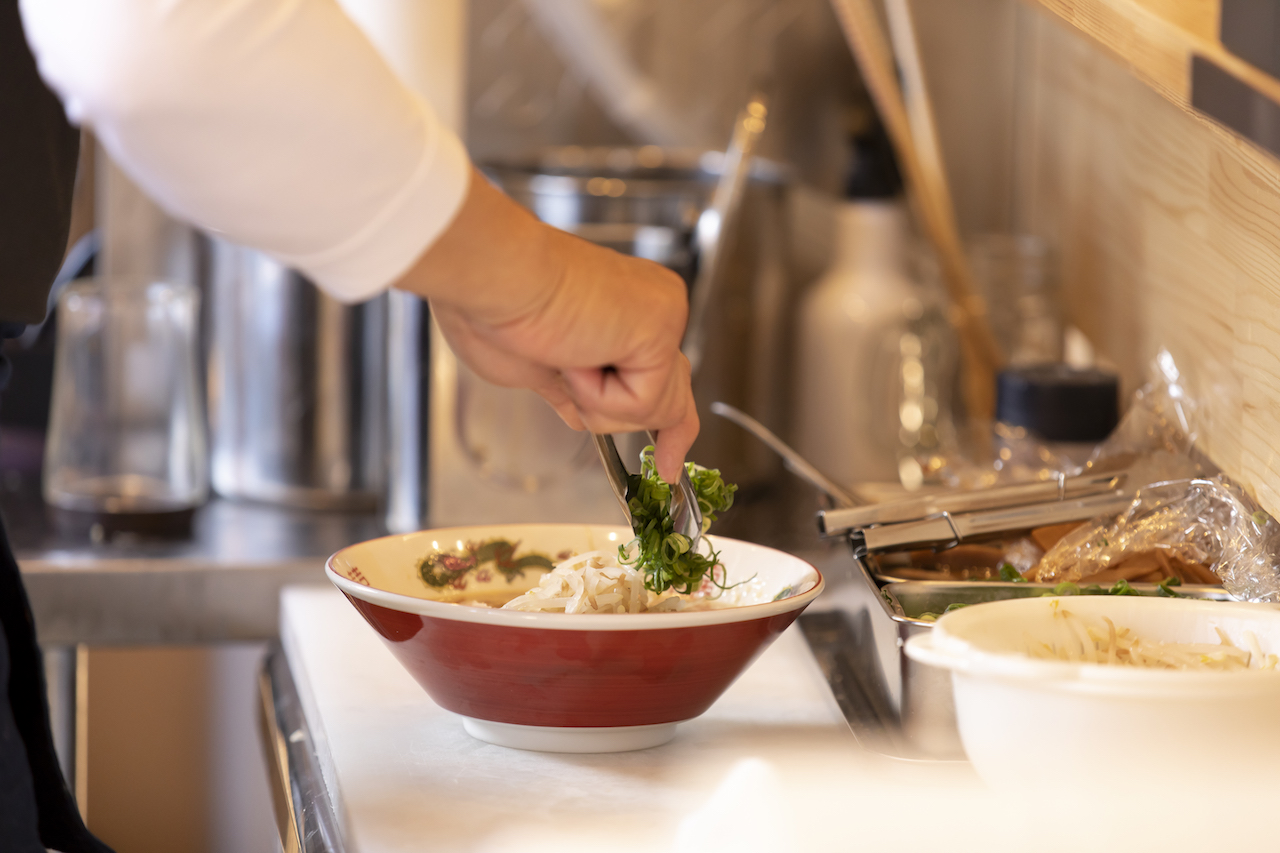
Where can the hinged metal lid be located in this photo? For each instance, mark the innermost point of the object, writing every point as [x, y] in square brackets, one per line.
[947, 519]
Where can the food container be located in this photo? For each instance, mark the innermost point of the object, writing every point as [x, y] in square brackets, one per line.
[916, 699]
[561, 682]
[1032, 724]
[911, 702]
[126, 440]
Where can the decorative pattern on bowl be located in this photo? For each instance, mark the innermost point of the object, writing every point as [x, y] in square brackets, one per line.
[475, 563]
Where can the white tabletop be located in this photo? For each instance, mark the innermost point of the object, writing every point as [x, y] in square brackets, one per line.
[770, 767]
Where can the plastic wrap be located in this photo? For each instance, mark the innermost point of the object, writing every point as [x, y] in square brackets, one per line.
[1154, 439]
[1023, 555]
[1184, 515]
[1206, 521]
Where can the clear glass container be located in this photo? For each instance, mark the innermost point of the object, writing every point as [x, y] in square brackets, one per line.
[1018, 279]
[127, 426]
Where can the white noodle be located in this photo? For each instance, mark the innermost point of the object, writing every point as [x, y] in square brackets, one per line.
[1113, 646]
[595, 582]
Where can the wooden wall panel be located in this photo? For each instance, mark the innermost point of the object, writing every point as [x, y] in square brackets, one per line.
[1156, 39]
[1151, 46]
[970, 52]
[1197, 17]
[1168, 228]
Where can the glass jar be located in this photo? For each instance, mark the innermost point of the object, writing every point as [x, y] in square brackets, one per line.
[1018, 280]
[127, 428]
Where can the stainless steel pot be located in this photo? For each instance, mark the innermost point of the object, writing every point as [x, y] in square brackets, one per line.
[295, 386]
[599, 193]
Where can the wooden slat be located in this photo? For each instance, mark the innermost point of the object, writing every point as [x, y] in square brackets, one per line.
[1157, 38]
[1197, 17]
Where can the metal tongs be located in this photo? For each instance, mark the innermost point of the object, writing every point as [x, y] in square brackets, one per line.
[685, 514]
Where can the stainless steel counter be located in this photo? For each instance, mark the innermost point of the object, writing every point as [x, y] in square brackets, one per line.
[220, 583]
[304, 809]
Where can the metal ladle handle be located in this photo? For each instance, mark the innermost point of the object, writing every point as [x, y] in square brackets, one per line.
[794, 461]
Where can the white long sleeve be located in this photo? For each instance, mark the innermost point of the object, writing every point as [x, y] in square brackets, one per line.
[273, 123]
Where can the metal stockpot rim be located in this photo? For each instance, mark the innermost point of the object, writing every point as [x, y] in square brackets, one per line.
[647, 165]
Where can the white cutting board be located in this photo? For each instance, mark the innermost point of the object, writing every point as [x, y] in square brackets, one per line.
[770, 767]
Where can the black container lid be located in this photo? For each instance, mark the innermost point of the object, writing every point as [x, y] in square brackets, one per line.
[873, 174]
[1059, 403]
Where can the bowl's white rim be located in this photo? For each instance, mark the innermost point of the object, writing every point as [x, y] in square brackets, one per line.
[574, 621]
[948, 651]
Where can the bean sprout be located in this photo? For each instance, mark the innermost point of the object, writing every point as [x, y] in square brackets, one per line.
[1112, 646]
[595, 582]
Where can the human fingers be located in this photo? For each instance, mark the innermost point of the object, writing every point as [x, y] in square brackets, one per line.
[674, 443]
[564, 406]
[648, 397]
[675, 435]
[619, 400]
[506, 369]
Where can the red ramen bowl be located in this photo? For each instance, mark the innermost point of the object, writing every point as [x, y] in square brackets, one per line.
[553, 681]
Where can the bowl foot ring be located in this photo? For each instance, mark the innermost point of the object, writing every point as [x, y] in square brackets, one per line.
[569, 739]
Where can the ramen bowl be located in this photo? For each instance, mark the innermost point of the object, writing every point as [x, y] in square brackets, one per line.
[561, 682]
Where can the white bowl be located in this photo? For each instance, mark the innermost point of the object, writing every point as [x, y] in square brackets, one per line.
[1108, 730]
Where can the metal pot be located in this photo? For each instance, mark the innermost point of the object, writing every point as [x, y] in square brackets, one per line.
[295, 386]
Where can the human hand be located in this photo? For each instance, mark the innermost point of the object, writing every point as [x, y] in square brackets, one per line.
[596, 333]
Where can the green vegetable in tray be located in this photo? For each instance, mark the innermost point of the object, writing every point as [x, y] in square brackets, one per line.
[665, 557]
[1008, 572]
[1121, 587]
[933, 617]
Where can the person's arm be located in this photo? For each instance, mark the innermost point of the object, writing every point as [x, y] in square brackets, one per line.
[275, 124]
[272, 123]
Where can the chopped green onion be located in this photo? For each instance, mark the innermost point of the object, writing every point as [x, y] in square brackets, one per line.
[1122, 587]
[665, 556]
[1008, 572]
[932, 616]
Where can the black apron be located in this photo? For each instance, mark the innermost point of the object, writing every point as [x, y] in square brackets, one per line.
[38, 150]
